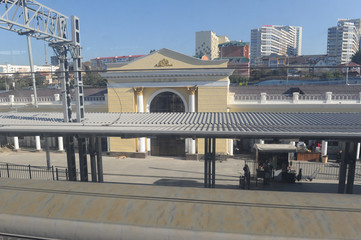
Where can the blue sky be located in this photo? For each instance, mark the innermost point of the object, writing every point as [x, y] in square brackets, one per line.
[124, 27]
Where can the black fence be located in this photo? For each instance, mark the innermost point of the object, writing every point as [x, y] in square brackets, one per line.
[312, 170]
[17, 171]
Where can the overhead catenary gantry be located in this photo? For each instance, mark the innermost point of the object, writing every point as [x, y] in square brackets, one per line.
[30, 18]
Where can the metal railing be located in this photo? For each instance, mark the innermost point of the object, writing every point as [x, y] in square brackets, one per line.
[94, 98]
[307, 98]
[247, 97]
[278, 97]
[314, 170]
[312, 97]
[343, 97]
[17, 171]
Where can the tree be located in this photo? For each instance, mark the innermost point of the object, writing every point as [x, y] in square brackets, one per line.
[238, 79]
[357, 57]
[93, 78]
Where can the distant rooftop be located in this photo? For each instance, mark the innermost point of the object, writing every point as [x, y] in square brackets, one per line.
[129, 56]
[234, 43]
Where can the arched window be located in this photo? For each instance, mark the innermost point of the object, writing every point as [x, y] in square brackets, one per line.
[167, 102]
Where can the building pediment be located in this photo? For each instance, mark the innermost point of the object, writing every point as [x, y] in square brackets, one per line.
[168, 59]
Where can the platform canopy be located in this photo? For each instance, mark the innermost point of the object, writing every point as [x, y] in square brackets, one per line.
[275, 147]
[195, 125]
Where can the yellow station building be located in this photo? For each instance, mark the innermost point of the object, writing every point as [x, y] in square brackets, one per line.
[168, 81]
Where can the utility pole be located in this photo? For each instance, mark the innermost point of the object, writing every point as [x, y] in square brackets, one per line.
[32, 70]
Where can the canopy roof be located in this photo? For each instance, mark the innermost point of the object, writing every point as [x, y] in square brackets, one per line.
[275, 147]
[218, 125]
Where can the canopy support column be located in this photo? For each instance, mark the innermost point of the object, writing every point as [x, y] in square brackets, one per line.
[209, 162]
[351, 168]
[83, 163]
[92, 153]
[70, 155]
[99, 159]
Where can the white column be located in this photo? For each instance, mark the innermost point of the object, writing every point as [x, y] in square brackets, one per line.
[16, 143]
[358, 151]
[230, 147]
[37, 142]
[261, 141]
[324, 148]
[192, 108]
[140, 109]
[60, 144]
[192, 102]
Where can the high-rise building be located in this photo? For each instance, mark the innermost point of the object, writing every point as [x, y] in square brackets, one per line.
[234, 49]
[281, 40]
[343, 40]
[207, 44]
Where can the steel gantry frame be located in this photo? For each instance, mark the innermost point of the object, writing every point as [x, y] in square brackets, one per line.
[30, 18]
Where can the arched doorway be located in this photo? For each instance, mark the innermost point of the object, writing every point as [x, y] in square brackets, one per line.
[167, 101]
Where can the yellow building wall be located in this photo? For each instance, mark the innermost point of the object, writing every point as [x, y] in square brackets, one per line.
[212, 99]
[121, 100]
[116, 144]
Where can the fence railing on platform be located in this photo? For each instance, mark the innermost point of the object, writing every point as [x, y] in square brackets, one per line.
[18, 171]
[314, 170]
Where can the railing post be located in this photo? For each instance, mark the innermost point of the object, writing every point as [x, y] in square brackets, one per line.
[328, 97]
[56, 97]
[263, 97]
[52, 171]
[7, 169]
[29, 171]
[11, 100]
[32, 99]
[296, 96]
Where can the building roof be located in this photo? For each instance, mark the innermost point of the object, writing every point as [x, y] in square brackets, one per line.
[129, 56]
[234, 44]
[218, 124]
[176, 60]
[306, 89]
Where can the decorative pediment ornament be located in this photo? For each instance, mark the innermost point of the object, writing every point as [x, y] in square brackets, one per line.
[163, 63]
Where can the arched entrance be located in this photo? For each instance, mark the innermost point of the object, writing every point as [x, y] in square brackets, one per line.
[167, 101]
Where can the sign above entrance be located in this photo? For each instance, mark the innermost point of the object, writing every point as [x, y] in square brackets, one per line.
[163, 63]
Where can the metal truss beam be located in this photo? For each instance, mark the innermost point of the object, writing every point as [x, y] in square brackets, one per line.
[28, 17]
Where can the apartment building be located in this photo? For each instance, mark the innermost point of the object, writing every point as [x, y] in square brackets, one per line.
[207, 44]
[234, 49]
[277, 39]
[343, 40]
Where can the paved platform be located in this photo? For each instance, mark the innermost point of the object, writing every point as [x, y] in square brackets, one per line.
[163, 171]
[75, 210]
